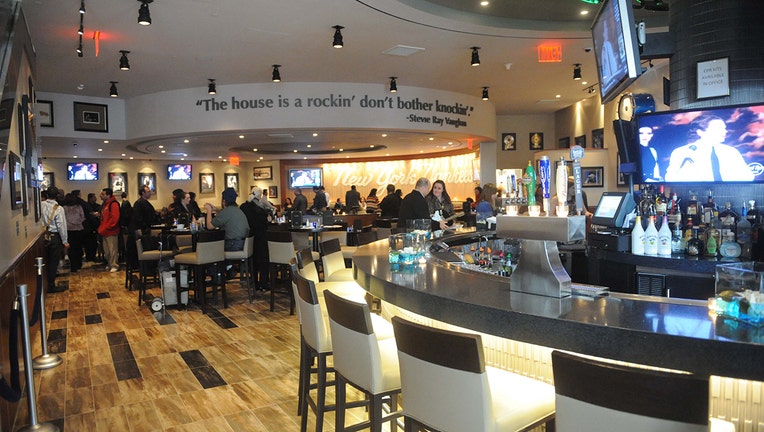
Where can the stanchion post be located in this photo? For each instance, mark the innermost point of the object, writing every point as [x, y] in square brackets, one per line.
[34, 425]
[44, 361]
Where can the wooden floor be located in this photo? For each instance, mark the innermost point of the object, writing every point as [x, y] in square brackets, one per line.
[128, 369]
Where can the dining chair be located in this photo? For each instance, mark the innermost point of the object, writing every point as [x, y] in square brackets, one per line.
[334, 262]
[244, 258]
[280, 253]
[446, 385]
[598, 396]
[209, 254]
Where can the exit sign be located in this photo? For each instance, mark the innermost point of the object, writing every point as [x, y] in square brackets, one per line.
[550, 53]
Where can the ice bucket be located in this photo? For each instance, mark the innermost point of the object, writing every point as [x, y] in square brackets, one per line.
[740, 293]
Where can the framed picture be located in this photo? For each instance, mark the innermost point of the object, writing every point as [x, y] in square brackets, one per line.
[37, 204]
[536, 140]
[262, 173]
[621, 178]
[91, 117]
[48, 180]
[563, 143]
[509, 141]
[24, 200]
[581, 141]
[232, 181]
[118, 182]
[16, 185]
[273, 191]
[206, 183]
[598, 138]
[44, 113]
[592, 176]
[6, 113]
[148, 179]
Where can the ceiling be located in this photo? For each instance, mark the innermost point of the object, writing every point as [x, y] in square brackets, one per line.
[237, 41]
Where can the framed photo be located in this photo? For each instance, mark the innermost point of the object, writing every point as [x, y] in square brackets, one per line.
[44, 113]
[148, 179]
[24, 200]
[598, 138]
[581, 141]
[206, 183]
[91, 117]
[48, 180]
[509, 141]
[621, 177]
[232, 181]
[536, 141]
[563, 143]
[6, 113]
[16, 183]
[273, 191]
[592, 176]
[262, 173]
[118, 182]
[37, 204]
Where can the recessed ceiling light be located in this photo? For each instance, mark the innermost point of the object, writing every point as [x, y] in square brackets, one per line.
[163, 151]
[371, 145]
[131, 158]
[309, 146]
[387, 154]
[304, 157]
[342, 149]
[347, 157]
[558, 96]
[384, 135]
[75, 156]
[182, 158]
[161, 146]
[100, 149]
[421, 151]
[241, 136]
[432, 139]
[584, 83]
[315, 133]
[584, 12]
[220, 157]
[484, 3]
[225, 160]
[254, 149]
[294, 151]
[185, 141]
[123, 154]
[105, 141]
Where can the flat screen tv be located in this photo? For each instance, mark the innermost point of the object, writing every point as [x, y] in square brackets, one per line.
[616, 48]
[179, 172]
[306, 177]
[718, 145]
[76, 171]
[613, 208]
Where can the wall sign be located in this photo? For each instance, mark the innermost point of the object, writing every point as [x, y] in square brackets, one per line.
[713, 78]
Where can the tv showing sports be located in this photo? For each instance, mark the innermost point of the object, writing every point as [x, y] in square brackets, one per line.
[717, 145]
[81, 171]
[179, 172]
[616, 48]
[613, 208]
[306, 177]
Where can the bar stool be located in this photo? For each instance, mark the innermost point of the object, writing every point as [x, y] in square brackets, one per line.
[342, 238]
[244, 258]
[301, 239]
[446, 385]
[210, 252]
[364, 361]
[280, 252]
[334, 262]
[366, 237]
[307, 268]
[147, 260]
[596, 396]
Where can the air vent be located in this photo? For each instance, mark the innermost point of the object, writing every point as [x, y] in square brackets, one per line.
[403, 50]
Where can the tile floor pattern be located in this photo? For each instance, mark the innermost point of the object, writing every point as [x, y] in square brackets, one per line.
[125, 369]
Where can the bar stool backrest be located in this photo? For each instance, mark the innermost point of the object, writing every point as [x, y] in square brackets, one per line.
[314, 328]
[331, 257]
[366, 237]
[280, 247]
[596, 397]
[210, 246]
[306, 265]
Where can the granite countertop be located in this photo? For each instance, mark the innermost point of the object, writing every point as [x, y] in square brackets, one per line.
[671, 333]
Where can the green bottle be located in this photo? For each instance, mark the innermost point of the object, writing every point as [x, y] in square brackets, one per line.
[530, 173]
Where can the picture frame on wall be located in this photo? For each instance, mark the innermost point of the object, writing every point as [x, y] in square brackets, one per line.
[509, 141]
[232, 181]
[206, 183]
[592, 176]
[598, 138]
[536, 141]
[16, 183]
[581, 141]
[118, 182]
[6, 113]
[262, 173]
[563, 143]
[90, 117]
[48, 180]
[148, 179]
[44, 110]
[273, 191]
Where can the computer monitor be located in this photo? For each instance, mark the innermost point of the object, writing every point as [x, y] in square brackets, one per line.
[613, 209]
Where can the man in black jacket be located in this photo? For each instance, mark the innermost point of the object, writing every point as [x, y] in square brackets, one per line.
[390, 204]
[414, 206]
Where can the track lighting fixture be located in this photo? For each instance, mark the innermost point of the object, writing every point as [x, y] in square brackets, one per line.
[124, 63]
[337, 43]
[82, 7]
[79, 48]
[276, 76]
[475, 56]
[393, 85]
[144, 15]
[211, 88]
[81, 30]
[485, 93]
[113, 89]
[577, 71]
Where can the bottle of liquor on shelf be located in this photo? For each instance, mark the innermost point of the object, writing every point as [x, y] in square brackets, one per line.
[647, 202]
[713, 237]
[688, 230]
[661, 203]
[744, 235]
[678, 242]
[695, 245]
[708, 208]
[664, 238]
[638, 236]
[651, 238]
[728, 220]
[692, 210]
[754, 219]
[674, 211]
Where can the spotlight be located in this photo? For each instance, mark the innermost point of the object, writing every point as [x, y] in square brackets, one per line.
[144, 15]
[337, 43]
[485, 93]
[113, 89]
[124, 63]
[276, 77]
[393, 85]
[81, 30]
[475, 56]
[79, 48]
[211, 88]
[82, 7]
[577, 71]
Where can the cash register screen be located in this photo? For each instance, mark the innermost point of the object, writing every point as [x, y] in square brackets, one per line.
[613, 208]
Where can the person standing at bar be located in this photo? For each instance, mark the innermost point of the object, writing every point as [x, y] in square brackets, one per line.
[319, 201]
[259, 213]
[390, 204]
[54, 218]
[75, 218]
[300, 201]
[352, 200]
[91, 233]
[438, 200]
[140, 224]
[414, 205]
[125, 215]
[109, 229]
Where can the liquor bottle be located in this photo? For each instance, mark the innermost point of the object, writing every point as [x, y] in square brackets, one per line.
[638, 237]
[753, 217]
[744, 235]
[674, 211]
[713, 238]
[728, 219]
[688, 231]
[695, 245]
[647, 202]
[678, 243]
[664, 238]
[692, 210]
[708, 208]
[661, 203]
[651, 238]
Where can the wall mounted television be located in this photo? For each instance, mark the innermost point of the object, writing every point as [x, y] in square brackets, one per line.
[306, 177]
[681, 143]
[179, 172]
[76, 171]
[616, 48]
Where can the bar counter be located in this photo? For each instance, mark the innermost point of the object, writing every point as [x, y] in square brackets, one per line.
[654, 331]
